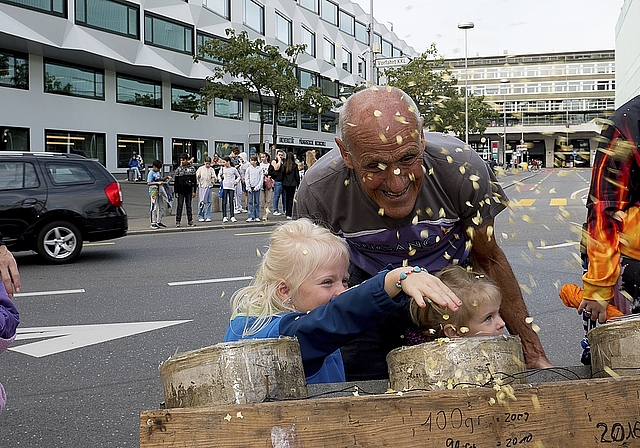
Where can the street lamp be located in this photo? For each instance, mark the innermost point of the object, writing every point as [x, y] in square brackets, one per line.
[466, 26]
[504, 118]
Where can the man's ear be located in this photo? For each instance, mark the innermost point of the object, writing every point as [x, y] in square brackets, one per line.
[283, 290]
[450, 331]
[346, 155]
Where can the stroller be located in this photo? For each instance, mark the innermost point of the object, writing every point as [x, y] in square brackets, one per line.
[167, 195]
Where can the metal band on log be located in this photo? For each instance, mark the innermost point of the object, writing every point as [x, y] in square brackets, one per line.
[461, 362]
[247, 371]
[614, 346]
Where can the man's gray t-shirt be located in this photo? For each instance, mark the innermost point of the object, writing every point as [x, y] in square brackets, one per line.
[458, 191]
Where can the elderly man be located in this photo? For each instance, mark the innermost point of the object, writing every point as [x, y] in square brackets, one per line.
[395, 196]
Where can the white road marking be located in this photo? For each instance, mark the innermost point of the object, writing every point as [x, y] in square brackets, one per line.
[211, 280]
[49, 293]
[555, 246]
[62, 339]
[575, 194]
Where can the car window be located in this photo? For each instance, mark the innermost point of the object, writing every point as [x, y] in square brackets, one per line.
[17, 175]
[66, 173]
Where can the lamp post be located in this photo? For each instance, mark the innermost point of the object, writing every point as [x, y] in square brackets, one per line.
[504, 118]
[466, 26]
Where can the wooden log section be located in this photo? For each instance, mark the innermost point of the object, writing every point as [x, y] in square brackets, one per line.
[576, 414]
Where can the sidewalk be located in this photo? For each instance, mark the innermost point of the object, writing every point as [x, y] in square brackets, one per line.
[136, 203]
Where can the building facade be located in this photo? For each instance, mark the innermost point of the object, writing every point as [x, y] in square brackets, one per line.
[105, 78]
[627, 61]
[548, 104]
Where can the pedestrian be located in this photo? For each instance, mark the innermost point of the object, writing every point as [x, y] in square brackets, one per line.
[206, 176]
[479, 314]
[301, 169]
[276, 172]
[241, 189]
[9, 273]
[290, 182]
[310, 158]
[400, 196]
[185, 186]
[134, 167]
[300, 290]
[254, 179]
[155, 182]
[266, 198]
[229, 178]
[613, 218]
[9, 321]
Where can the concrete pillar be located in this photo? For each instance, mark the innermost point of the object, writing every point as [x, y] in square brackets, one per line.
[549, 145]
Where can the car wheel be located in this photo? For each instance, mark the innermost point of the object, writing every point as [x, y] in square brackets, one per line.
[59, 242]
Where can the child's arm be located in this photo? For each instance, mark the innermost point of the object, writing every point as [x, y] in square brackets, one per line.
[421, 286]
[323, 330]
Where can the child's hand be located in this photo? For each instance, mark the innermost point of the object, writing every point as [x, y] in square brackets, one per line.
[423, 288]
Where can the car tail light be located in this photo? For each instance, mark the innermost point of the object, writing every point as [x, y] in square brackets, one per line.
[114, 194]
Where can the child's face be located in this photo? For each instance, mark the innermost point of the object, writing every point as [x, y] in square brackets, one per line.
[327, 282]
[486, 321]
[253, 162]
[155, 168]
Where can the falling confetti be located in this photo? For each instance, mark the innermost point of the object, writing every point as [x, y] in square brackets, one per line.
[228, 418]
[396, 171]
[239, 415]
[377, 113]
[381, 211]
[383, 138]
[382, 166]
[399, 139]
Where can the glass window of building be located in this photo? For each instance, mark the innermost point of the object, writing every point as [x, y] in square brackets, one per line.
[54, 7]
[139, 92]
[88, 144]
[254, 15]
[14, 70]
[362, 68]
[109, 15]
[149, 148]
[254, 112]
[309, 121]
[329, 51]
[283, 29]
[14, 139]
[361, 33]
[186, 100]
[329, 11]
[397, 52]
[201, 39]
[198, 149]
[329, 87]
[224, 148]
[310, 5]
[309, 39]
[307, 79]
[74, 81]
[328, 123]
[347, 23]
[167, 34]
[346, 59]
[288, 118]
[377, 43]
[387, 49]
[227, 108]
[220, 7]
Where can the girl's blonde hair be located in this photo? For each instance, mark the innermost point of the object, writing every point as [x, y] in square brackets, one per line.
[296, 250]
[472, 287]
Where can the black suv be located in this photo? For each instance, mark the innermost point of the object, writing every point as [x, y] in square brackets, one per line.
[50, 203]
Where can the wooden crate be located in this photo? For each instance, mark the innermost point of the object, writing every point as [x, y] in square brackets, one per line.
[577, 414]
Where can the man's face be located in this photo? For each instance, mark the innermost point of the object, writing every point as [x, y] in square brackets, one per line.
[183, 162]
[386, 155]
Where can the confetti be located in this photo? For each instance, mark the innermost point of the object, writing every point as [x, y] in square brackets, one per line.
[412, 251]
[382, 166]
[351, 124]
[412, 178]
[399, 139]
[346, 182]
[536, 402]
[396, 171]
[239, 415]
[383, 138]
[258, 253]
[414, 221]
[228, 418]
[381, 211]
[377, 113]
[529, 320]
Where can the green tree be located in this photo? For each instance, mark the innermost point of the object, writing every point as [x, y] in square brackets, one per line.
[428, 80]
[254, 68]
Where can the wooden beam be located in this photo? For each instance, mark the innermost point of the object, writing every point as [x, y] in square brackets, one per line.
[582, 413]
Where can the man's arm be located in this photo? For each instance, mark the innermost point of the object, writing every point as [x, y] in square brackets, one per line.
[488, 256]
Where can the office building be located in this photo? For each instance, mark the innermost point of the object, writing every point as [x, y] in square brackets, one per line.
[549, 104]
[106, 77]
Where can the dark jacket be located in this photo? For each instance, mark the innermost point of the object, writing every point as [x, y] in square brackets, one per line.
[291, 179]
[184, 180]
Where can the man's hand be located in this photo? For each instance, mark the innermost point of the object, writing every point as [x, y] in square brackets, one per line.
[595, 310]
[9, 271]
